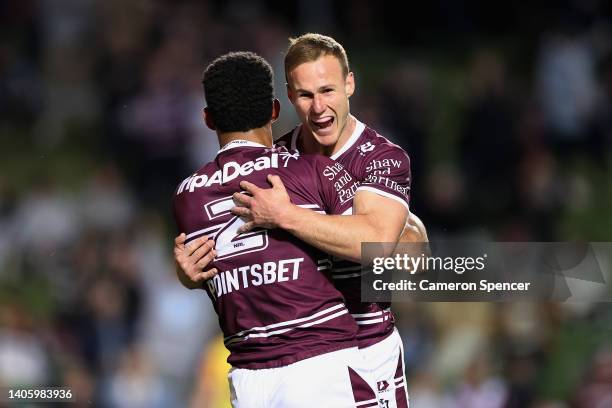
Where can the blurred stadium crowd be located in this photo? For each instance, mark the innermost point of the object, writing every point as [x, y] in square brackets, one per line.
[505, 110]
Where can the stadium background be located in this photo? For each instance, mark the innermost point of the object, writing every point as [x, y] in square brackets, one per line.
[505, 110]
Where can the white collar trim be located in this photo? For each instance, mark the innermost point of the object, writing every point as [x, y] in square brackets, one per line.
[359, 128]
[239, 143]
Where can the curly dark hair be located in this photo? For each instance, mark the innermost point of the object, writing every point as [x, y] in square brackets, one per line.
[239, 91]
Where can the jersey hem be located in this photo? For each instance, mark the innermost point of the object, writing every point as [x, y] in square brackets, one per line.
[288, 360]
[385, 193]
[370, 341]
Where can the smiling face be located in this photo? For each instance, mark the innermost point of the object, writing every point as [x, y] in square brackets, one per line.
[320, 93]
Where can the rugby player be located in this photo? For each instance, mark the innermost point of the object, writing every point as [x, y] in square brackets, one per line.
[319, 85]
[291, 339]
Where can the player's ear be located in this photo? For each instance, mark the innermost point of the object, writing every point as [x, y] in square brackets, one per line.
[349, 84]
[208, 119]
[275, 109]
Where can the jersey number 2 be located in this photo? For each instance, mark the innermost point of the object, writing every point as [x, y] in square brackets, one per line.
[227, 242]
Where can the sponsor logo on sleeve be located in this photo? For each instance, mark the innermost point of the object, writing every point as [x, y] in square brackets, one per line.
[344, 184]
[379, 172]
[383, 166]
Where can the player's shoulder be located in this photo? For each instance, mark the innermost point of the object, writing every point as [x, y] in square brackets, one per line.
[194, 179]
[372, 145]
[372, 140]
[292, 158]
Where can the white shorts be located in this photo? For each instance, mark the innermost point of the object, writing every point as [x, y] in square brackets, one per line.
[385, 363]
[326, 381]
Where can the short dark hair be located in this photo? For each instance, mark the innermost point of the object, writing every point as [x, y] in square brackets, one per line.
[239, 91]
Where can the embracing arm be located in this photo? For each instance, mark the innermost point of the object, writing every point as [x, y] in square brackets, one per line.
[375, 219]
[414, 230]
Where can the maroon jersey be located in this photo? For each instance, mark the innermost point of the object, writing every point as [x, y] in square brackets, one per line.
[381, 167]
[275, 300]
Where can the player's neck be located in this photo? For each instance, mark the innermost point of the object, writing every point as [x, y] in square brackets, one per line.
[262, 135]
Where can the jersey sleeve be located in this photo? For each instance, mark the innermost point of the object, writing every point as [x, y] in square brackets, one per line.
[336, 185]
[387, 173]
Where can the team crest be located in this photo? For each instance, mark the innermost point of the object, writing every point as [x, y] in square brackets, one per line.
[366, 147]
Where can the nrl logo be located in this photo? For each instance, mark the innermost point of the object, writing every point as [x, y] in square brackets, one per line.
[366, 147]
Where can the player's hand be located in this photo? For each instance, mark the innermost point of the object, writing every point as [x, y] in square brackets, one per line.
[193, 258]
[265, 207]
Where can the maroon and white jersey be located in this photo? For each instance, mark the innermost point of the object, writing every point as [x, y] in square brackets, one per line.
[381, 167]
[275, 300]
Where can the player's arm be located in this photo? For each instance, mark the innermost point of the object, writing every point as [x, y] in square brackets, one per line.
[415, 236]
[376, 219]
[414, 230]
[192, 260]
